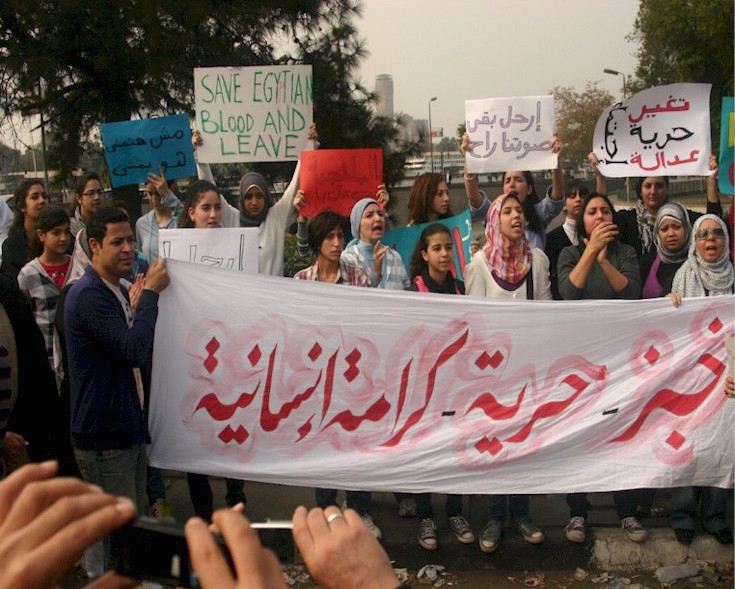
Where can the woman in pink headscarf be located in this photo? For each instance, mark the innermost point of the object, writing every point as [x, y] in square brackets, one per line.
[508, 267]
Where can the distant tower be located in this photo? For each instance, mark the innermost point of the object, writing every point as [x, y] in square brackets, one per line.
[384, 93]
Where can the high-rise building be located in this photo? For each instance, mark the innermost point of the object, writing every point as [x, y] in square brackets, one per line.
[384, 93]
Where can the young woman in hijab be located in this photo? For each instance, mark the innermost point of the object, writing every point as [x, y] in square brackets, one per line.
[671, 234]
[600, 267]
[508, 267]
[256, 207]
[383, 264]
[707, 272]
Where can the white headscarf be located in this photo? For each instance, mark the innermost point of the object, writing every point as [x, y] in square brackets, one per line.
[697, 278]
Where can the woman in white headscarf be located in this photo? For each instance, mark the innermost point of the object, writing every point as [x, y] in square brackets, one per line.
[707, 272]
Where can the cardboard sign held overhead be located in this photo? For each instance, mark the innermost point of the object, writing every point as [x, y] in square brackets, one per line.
[253, 114]
[336, 179]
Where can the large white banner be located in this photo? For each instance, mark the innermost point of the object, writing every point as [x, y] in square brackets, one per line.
[303, 383]
[253, 114]
[662, 131]
[510, 134]
[234, 248]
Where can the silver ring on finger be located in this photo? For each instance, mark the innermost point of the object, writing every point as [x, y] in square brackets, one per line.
[333, 517]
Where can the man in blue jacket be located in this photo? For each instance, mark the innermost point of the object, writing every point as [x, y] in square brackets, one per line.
[107, 344]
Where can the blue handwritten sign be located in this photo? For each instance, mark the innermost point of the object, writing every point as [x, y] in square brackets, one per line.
[134, 148]
[460, 226]
[727, 147]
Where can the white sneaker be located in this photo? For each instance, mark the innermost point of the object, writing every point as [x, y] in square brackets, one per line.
[427, 534]
[634, 529]
[372, 528]
[575, 530]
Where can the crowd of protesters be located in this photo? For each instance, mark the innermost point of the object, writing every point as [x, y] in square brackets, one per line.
[79, 301]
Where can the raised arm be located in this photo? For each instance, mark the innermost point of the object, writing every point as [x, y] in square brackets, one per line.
[557, 174]
[471, 185]
[600, 183]
[714, 206]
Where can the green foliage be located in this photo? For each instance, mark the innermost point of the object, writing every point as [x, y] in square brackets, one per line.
[686, 41]
[576, 116]
[105, 61]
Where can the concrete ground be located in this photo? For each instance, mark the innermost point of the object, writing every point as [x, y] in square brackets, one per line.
[607, 547]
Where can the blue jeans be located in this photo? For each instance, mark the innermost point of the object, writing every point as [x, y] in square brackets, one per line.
[685, 508]
[120, 472]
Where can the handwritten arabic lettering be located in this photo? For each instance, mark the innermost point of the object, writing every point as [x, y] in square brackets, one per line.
[309, 387]
[670, 106]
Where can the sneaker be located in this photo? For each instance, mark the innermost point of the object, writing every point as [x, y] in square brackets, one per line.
[461, 529]
[372, 528]
[723, 536]
[490, 537]
[575, 530]
[162, 510]
[684, 536]
[529, 530]
[634, 529]
[427, 534]
[407, 507]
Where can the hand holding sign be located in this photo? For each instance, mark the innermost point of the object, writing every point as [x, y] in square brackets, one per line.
[337, 178]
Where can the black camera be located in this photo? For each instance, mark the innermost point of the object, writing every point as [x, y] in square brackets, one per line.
[151, 550]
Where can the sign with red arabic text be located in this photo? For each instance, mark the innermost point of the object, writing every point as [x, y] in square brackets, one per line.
[662, 131]
[321, 385]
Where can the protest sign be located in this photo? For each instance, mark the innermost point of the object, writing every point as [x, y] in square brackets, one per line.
[510, 134]
[134, 148]
[253, 114]
[337, 178]
[460, 226]
[662, 131]
[312, 384]
[726, 183]
[230, 248]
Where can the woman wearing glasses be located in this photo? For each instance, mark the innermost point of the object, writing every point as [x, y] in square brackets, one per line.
[87, 199]
[18, 249]
[707, 272]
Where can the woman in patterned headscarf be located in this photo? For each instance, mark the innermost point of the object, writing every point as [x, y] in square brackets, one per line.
[508, 267]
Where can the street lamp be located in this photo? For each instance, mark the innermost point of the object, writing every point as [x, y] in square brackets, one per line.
[431, 141]
[625, 95]
[617, 73]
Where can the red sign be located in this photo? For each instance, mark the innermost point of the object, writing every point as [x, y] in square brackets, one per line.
[336, 179]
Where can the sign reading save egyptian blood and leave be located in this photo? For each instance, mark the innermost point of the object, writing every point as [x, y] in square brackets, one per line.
[336, 179]
[662, 131]
[253, 114]
[303, 383]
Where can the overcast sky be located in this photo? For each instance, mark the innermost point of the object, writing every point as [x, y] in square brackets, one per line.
[460, 50]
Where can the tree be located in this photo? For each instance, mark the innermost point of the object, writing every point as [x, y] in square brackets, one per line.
[84, 62]
[686, 41]
[576, 116]
[343, 108]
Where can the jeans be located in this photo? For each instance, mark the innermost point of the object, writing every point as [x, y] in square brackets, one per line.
[357, 500]
[155, 488]
[120, 472]
[201, 497]
[578, 504]
[424, 508]
[685, 513]
[500, 505]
